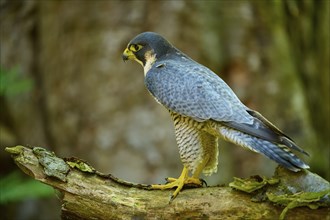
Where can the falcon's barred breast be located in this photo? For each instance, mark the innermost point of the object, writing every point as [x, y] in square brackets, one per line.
[204, 108]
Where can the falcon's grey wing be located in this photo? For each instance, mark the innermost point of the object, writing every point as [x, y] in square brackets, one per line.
[279, 153]
[190, 89]
[262, 128]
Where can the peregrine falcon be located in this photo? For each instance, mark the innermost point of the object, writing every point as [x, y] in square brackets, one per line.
[203, 109]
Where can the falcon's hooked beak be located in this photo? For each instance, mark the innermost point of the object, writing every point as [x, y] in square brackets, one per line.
[128, 55]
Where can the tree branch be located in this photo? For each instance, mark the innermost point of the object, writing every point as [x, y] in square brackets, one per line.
[88, 194]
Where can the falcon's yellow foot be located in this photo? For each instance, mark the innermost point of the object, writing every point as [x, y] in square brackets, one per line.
[179, 183]
[190, 181]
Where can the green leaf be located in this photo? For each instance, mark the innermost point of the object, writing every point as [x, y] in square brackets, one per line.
[14, 188]
[12, 83]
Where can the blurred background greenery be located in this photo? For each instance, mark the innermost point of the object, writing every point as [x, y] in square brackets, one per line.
[64, 86]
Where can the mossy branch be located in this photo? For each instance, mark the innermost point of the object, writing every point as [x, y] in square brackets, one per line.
[88, 194]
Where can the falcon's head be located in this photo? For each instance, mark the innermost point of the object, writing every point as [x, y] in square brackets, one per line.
[146, 48]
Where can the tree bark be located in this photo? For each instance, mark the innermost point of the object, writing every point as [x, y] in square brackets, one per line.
[89, 194]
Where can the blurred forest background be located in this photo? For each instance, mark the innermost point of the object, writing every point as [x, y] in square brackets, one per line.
[64, 85]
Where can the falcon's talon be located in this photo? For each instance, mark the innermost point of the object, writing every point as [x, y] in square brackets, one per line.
[179, 183]
[204, 108]
[203, 182]
[171, 199]
[170, 179]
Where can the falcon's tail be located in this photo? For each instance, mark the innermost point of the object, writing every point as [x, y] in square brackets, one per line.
[279, 153]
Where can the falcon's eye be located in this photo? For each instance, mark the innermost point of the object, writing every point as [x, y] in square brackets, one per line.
[135, 47]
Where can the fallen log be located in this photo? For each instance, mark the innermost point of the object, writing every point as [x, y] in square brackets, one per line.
[89, 194]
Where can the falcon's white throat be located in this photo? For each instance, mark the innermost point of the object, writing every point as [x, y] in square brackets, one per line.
[150, 58]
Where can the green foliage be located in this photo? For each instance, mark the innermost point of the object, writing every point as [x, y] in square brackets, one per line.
[12, 83]
[15, 188]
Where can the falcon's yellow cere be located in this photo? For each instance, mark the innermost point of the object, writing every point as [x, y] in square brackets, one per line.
[203, 109]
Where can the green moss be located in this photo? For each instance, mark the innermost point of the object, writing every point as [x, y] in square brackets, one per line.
[287, 188]
[252, 184]
[14, 150]
[80, 165]
[311, 199]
